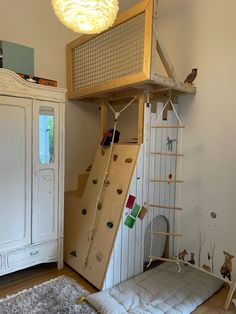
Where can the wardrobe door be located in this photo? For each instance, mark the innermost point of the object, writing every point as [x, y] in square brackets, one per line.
[45, 171]
[15, 172]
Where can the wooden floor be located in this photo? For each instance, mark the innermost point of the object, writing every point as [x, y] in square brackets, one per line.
[27, 278]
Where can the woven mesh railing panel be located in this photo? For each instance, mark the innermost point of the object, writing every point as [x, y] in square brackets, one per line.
[116, 53]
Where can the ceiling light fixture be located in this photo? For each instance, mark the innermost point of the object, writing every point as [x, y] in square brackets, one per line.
[86, 16]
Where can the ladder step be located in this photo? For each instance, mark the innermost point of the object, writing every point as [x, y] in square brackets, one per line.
[166, 233]
[165, 207]
[168, 126]
[164, 259]
[166, 154]
[167, 181]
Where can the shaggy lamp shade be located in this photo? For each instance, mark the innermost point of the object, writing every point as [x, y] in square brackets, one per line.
[86, 16]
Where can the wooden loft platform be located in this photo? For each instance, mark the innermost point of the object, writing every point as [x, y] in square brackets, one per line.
[122, 61]
[158, 90]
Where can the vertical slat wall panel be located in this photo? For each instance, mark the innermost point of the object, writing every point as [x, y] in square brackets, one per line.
[127, 259]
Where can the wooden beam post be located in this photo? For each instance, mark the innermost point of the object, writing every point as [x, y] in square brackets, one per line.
[164, 57]
[230, 295]
[140, 118]
[103, 110]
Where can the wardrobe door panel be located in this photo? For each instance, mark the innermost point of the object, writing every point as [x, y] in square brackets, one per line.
[15, 172]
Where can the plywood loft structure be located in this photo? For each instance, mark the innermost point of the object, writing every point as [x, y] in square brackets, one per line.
[108, 69]
[114, 65]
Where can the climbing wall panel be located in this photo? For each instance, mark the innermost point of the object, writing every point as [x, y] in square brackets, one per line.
[79, 213]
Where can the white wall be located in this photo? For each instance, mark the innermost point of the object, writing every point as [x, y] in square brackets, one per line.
[201, 33]
[34, 24]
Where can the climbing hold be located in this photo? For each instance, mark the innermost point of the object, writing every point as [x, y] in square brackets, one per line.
[95, 181]
[80, 299]
[119, 191]
[99, 207]
[115, 157]
[99, 256]
[103, 152]
[170, 177]
[128, 160]
[89, 168]
[106, 183]
[110, 224]
[84, 211]
[73, 253]
[213, 215]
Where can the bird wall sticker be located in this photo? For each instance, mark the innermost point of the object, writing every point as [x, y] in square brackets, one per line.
[191, 77]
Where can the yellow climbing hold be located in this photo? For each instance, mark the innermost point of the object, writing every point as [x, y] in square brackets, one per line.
[80, 299]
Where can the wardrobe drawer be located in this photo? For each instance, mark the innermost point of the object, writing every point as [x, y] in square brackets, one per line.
[41, 253]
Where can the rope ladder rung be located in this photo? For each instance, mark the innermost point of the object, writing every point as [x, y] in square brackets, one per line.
[167, 181]
[168, 126]
[167, 154]
[164, 259]
[165, 207]
[168, 234]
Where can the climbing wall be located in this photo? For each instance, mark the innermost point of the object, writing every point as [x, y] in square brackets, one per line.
[79, 212]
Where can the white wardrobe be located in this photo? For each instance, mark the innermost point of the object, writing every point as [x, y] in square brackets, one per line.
[31, 173]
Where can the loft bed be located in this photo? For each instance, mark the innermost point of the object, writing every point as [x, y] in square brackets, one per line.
[122, 61]
[110, 68]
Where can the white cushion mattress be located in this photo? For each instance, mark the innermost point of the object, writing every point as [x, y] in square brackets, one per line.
[159, 290]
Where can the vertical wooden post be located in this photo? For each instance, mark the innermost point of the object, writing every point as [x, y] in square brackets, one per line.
[140, 118]
[103, 111]
[230, 295]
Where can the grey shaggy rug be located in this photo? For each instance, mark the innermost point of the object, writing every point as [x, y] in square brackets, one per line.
[57, 296]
